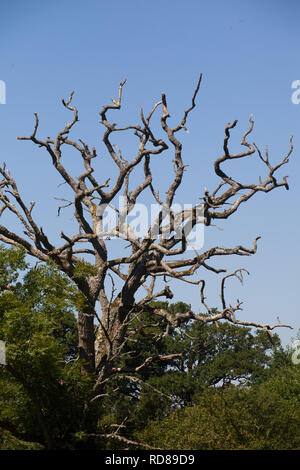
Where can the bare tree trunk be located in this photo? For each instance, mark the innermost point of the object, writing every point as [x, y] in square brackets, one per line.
[105, 335]
[86, 338]
[110, 337]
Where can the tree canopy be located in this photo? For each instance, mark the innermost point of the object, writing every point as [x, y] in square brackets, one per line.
[228, 384]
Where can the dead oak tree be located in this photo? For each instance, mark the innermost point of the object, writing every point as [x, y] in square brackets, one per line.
[101, 337]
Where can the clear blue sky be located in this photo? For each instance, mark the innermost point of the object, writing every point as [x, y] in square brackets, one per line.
[249, 55]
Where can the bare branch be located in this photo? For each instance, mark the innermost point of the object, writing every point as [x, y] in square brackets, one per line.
[124, 439]
[161, 252]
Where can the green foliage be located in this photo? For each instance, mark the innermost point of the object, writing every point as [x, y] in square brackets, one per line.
[38, 325]
[265, 416]
[212, 355]
[11, 262]
[8, 442]
[228, 389]
[84, 269]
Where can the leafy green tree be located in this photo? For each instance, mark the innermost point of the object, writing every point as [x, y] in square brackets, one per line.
[209, 355]
[264, 416]
[43, 385]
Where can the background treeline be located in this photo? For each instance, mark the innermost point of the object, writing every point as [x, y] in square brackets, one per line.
[231, 388]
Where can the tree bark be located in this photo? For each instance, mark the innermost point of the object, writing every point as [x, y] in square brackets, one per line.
[86, 338]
